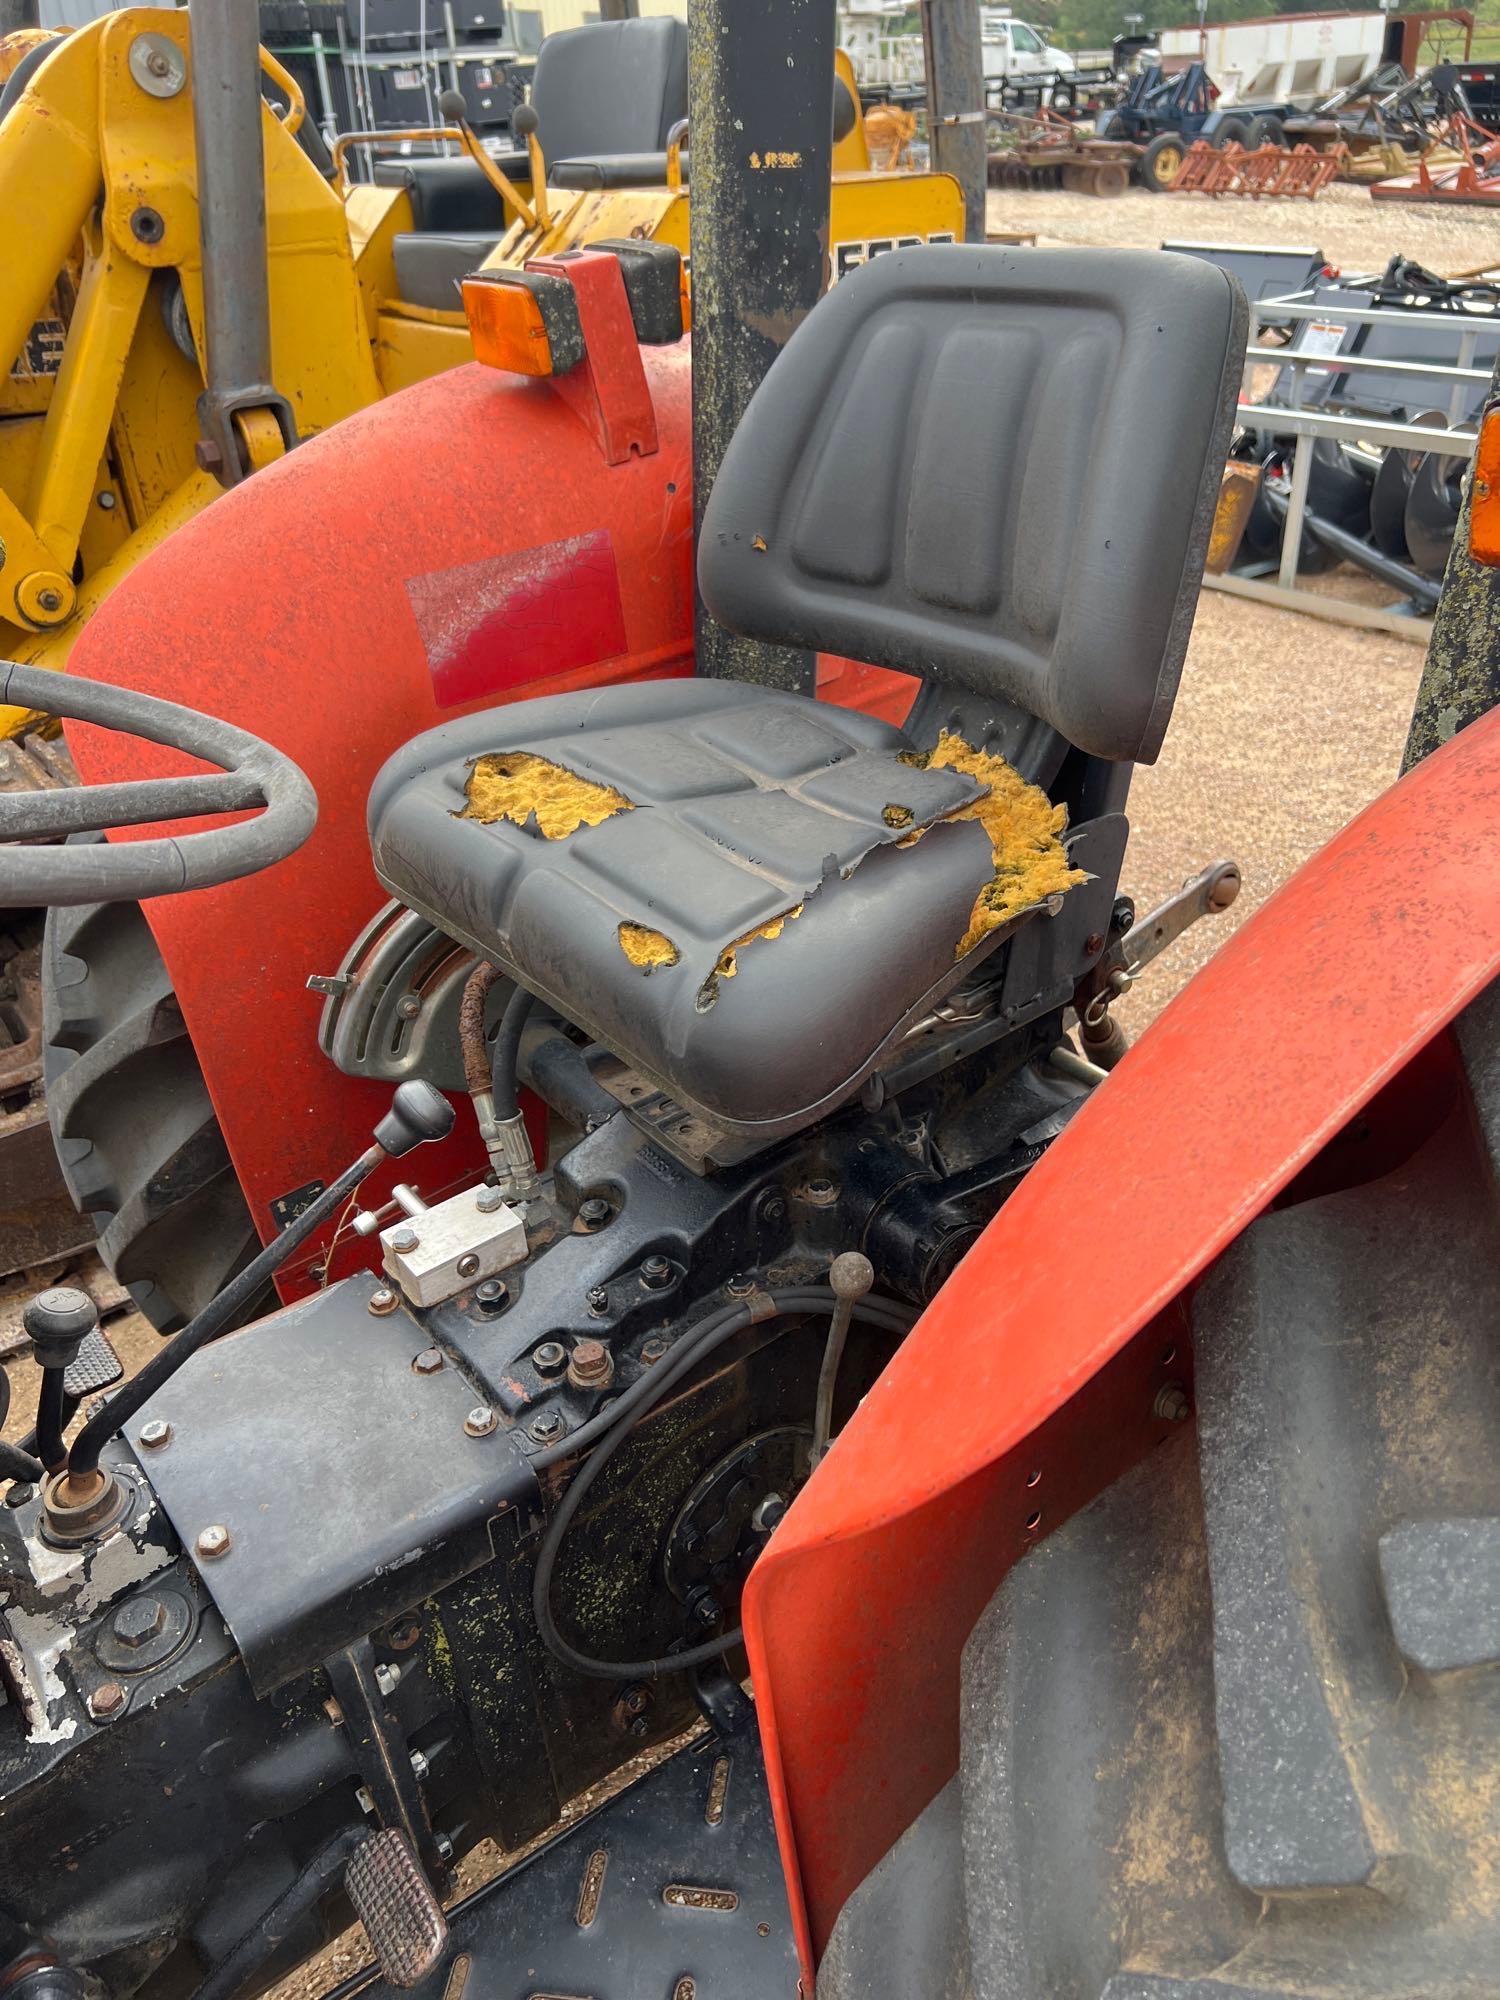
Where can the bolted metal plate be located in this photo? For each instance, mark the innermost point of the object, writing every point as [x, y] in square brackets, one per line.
[672, 1889]
[394, 1901]
[345, 1479]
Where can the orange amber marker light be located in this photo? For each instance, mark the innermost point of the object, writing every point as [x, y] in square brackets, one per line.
[1484, 500]
[507, 327]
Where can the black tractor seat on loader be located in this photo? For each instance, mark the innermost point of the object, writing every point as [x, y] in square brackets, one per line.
[967, 464]
[606, 96]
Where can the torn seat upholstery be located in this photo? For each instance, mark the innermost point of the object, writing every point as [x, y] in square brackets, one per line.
[994, 469]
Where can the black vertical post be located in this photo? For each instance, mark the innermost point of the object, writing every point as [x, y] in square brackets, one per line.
[953, 55]
[760, 112]
[19, 14]
[1461, 678]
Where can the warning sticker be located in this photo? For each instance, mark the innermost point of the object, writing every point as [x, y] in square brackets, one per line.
[42, 355]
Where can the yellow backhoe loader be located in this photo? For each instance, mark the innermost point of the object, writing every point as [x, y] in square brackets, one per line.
[164, 337]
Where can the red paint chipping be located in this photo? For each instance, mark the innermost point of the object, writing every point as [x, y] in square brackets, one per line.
[519, 617]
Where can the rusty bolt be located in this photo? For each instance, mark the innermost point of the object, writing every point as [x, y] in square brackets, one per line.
[1172, 1403]
[594, 1212]
[382, 1300]
[656, 1272]
[428, 1362]
[155, 1433]
[138, 1621]
[208, 456]
[549, 1425]
[213, 1542]
[590, 1365]
[106, 1700]
[551, 1358]
[480, 1421]
[1093, 944]
[653, 1349]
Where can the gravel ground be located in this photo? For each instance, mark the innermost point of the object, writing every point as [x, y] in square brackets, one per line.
[1353, 231]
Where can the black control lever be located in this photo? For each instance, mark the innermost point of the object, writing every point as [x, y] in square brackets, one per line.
[57, 1322]
[418, 1113]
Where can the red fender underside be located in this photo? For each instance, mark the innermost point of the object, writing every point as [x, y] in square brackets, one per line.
[456, 547]
[1028, 1384]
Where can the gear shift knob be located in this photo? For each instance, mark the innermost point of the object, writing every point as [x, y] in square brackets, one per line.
[57, 1322]
[418, 1113]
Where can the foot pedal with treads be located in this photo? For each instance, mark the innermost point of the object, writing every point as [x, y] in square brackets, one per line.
[94, 1367]
[394, 1901]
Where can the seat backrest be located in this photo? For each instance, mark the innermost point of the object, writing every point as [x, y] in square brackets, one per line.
[996, 468]
[610, 87]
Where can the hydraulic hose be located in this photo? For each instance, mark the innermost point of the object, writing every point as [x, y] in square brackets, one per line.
[51, 1419]
[613, 1426]
[18, 1464]
[215, 1317]
[506, 1055]
[471, 1027]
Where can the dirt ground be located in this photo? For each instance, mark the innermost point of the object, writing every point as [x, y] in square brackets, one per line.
[1284, 726]
[1353, 231]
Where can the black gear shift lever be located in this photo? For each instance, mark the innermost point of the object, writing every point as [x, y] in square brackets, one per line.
[57, 1322]
[418, 1113]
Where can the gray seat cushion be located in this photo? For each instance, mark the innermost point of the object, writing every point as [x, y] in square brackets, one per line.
[614, 170]
[430, 269]
[751, 931]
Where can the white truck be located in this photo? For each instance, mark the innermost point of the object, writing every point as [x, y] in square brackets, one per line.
[887, 54]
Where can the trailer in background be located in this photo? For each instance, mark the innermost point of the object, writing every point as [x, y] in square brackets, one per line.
[1298, 58]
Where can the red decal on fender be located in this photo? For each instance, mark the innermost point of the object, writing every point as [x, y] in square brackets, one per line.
[520, 617]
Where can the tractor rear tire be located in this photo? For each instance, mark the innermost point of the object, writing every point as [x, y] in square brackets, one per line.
[135, 1131]
[1235, 1729]
[1266, 129]
[1162, 161]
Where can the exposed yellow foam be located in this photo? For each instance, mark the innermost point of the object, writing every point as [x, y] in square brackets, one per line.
[647, 948]
[518, 785]
[1025, 831]
[727, 967]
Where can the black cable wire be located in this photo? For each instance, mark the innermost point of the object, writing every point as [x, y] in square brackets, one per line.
[215, 1316]
[617, 1422]
[505, 1056]
[51, 1417]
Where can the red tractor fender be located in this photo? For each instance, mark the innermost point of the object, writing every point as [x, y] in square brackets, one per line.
[1029, 1383]
[458, 546]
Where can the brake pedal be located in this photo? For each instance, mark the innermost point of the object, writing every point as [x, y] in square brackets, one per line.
[393, 1899]
[94, 1367]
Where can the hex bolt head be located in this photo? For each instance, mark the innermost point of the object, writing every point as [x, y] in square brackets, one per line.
[387, 1677]
[653, 1349]
[769, 1514]
[155, 1433]
[597, 1300]
[419, 1765]
[488, 1199]
[405, 1238]
[740, 1287]
[548, 1426]
[106, 1700]
[213, 1542]
[382, 1300]
[1172, 1403]
[594, 1212]
[480, 1421]
[408, 1007]
[428, 1362]
[493, 1295]
[551, 1358]
[590, 1365]
[656, 1272]
[138, 1621]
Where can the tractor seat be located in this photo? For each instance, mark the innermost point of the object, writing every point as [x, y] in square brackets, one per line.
[430, 269]
[994, 469]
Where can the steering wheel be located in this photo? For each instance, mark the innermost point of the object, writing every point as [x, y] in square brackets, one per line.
[250, 773]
